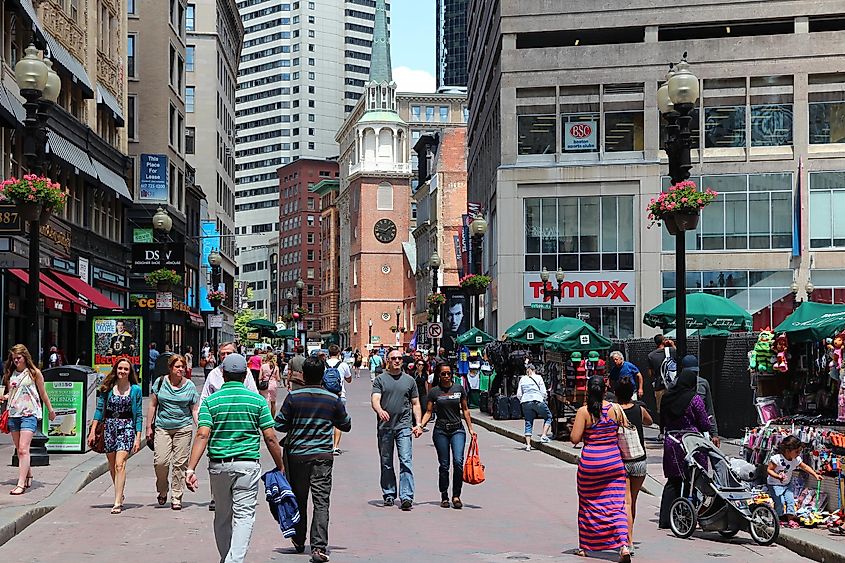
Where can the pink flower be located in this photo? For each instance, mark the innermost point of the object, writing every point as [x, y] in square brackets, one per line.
[683, 200]
[700, 202]
[30, 197]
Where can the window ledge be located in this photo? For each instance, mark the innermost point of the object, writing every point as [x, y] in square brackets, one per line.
[772, 153]
[729, 154]
[831, 150]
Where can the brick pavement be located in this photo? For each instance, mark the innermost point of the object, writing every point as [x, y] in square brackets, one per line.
[525, 511]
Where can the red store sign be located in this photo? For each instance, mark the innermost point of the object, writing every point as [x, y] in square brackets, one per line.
[580, 289]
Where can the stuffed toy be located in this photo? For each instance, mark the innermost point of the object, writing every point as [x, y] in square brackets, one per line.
[761, 356]
[781, 354]
[834, 352]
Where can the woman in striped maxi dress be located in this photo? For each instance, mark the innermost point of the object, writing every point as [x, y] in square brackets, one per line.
[602, 481]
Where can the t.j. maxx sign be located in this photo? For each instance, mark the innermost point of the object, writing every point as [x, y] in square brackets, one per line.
[148, 257]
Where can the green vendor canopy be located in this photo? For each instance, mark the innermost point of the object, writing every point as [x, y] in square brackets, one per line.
[811, 322]
[261, 323]
[528, 331]
[563, 323]
[474, 337]
[285, 333]
[576, 339]
[703, 310]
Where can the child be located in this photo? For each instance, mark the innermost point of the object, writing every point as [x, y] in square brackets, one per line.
[780, 471]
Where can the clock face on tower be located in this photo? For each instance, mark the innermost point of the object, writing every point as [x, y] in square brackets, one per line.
[384, 230]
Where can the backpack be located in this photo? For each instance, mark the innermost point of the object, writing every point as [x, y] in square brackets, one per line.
[669, 369]
[332, 379]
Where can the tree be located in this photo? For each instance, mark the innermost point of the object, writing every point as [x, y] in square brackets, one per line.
[243, 316]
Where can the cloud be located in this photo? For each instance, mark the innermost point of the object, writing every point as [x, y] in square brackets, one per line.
[411, 80]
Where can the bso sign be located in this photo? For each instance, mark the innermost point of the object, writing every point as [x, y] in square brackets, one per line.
[580, 136]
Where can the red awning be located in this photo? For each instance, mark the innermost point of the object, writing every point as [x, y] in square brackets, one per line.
[96, 298]
[52, 300]
[196, 319]
[79, 306]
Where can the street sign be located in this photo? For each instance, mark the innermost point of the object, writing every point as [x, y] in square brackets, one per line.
[376, 339]
[164, 300]
[215, 321]
[10, 220]
[147, 258]
[434, 330]
[583, 316]
[541, 305]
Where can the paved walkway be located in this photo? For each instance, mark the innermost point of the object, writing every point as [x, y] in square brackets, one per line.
[526, 510]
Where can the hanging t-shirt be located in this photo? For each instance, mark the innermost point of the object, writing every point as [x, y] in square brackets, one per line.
[785, 466]
[463, 360]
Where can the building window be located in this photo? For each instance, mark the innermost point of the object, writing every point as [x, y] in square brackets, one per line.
[384, 197]
[771, 125]
[429, 113]
[130, 56]
[466, 114]
[623, 131]
[444, 114]
[130, 6]
[580, 132]
[415, 113]
[190, 93]
[190, 18]
[752, 212]
[190, 53]
[579, 233]
[827, 121]
[827, 208]
[310, 255]
[536, 134]
[132, 114]
[724, 127]
[190, 140]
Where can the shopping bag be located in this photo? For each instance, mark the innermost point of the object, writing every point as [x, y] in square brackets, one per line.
[473, 469]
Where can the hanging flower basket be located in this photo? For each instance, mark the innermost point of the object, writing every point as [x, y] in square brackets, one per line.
[475, 284]
[680, 207]
[163, 279]
[436, 300]
[217, 297]
[36, 196]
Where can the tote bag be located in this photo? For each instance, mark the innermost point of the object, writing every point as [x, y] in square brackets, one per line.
[629, 441]
[473, 469]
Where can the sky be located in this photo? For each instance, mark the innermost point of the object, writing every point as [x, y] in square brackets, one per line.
[412, 39]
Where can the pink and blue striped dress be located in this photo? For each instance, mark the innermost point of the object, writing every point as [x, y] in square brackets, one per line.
[602, 520]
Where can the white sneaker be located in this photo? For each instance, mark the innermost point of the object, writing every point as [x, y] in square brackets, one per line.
[545, 439]
[527, 448]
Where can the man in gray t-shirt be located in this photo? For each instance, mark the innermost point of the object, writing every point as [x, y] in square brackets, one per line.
[394, 398]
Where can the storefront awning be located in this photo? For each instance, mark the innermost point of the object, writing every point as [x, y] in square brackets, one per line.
[11, 108]
[52, 299]
[106, 98]
[79, 304]
[70, 153]
[112, 180]
[96, 298]
[70, 63]
[196, 319]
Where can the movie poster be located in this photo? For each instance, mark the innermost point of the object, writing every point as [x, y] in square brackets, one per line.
[117, 337]
[456, 318]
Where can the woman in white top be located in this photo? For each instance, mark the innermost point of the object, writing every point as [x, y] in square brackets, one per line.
[532, 396]
[23, 386]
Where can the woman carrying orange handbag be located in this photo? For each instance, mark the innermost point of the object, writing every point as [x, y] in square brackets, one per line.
[448, 400]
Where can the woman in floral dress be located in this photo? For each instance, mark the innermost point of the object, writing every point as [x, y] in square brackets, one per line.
[119, 407]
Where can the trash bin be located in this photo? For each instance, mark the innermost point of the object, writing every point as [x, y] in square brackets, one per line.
[72, 392]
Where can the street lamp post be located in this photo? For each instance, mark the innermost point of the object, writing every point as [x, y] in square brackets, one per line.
[435, 263]
[676, 100]
[398, 312]
[477, 229]
[552, 293]
[162, 223]
[40, 87]
[300, 285]
[214, 260]
[370, 333]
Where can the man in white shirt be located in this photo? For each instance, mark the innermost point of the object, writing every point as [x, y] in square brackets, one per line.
[214, 381]
[335, 361]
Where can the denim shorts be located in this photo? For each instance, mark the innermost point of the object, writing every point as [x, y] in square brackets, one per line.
[18, 423]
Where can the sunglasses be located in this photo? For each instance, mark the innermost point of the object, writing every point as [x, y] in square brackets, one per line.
[393, 359]
[442, 373]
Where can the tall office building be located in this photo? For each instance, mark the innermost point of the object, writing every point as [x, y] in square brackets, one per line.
[303, 67]
[452, 43]
[213, 45]
[565, 153]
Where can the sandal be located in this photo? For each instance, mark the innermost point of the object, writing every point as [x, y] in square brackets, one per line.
[28, 482]
[175, 506]
[456, 503]
[580, 553]
[161, 500]
[624, 555]
[299, 547]
[444, 503]
[17, 491]
[117, 509]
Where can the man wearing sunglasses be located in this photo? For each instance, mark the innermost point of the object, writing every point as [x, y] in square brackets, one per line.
[396, 402]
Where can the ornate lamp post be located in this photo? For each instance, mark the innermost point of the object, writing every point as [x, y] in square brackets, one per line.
[370, 333]
[289, 297]
[552, 293]
[214, 260]
[477, 229]
[435, 264]
[676, 100]
[40, 87]
[398, 312]
[300, 285]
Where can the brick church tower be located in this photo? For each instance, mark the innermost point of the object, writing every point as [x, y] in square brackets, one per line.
[375, 207]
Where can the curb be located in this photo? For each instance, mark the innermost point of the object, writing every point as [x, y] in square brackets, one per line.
[76, 479]
[812, 546]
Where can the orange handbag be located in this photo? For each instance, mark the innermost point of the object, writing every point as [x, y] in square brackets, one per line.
[473, 469]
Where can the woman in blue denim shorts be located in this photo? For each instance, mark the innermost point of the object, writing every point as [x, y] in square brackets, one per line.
[532, 397]
[24, 391]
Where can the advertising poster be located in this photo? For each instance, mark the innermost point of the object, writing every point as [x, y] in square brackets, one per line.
[456, 320]
[117, 337]
[67, 431]
[580, 136]
[210, 241]
[154, 180]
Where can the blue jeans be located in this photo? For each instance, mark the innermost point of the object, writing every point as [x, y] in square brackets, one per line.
[784, 499]
[443, 442]
[402, 439]
[532, 410]
[18, 423]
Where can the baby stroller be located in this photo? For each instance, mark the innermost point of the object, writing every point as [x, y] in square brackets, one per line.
[715, 499]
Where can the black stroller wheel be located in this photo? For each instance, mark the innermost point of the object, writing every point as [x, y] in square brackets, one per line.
[728, 533]
[682, 518]
[764, 525]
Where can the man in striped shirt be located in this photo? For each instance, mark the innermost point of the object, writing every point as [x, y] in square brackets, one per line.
[309, 416]
[231, 423]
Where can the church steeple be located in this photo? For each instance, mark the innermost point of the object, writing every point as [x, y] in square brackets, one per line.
[380, 68]
[381, 89]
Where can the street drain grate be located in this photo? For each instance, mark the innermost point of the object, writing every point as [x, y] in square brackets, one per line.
[717, 555]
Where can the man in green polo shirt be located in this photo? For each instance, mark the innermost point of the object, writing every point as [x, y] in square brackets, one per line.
[231, 423]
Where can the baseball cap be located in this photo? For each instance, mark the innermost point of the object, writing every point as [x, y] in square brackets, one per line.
[234, 363]
[575, 356]
[593, 356]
